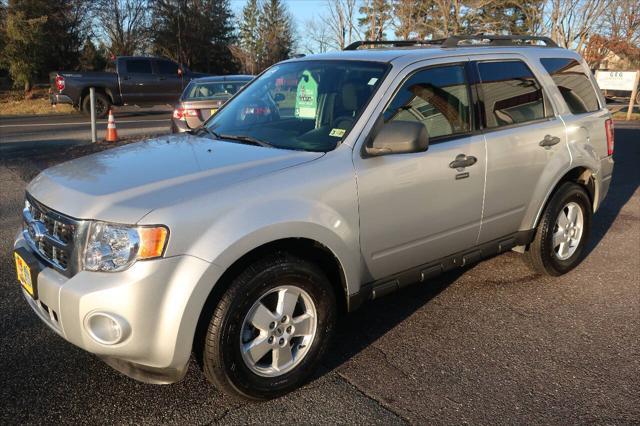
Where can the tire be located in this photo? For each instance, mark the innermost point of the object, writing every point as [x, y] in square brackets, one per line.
[555, 259]
[102, 105]
[271, 279]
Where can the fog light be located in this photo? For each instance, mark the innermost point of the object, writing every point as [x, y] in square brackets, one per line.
[107, 329]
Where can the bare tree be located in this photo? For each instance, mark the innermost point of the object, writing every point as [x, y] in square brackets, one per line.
[317, 37]
[571, 22]
[341, 22]
[407, 17]
[125, 24]
[377, 17]
[622, 21]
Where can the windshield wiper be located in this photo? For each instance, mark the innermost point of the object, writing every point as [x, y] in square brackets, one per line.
[244, 139]
[198, 131]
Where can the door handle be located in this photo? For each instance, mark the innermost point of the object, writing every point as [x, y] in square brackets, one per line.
[549, 141]
[463, 161]
[162, 78]
[126, 77]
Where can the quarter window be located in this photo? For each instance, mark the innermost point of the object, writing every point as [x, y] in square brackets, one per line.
[437, 97]
[573, 83]
[511, 93]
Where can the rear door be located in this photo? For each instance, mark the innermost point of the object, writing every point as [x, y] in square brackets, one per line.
[169, 81]
[415, 208]
[137, 81]
[526, 142]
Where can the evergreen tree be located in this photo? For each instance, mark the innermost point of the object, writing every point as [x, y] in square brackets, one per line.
[24, 48]
[249, 37]
[91, 59]
[275, 26]
[40, 36]
[194, 32]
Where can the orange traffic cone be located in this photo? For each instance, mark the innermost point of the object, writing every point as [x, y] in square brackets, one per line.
[112, 134]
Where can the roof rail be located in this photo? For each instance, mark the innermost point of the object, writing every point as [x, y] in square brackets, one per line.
[497, 40]
[393, 43]
[453, 41]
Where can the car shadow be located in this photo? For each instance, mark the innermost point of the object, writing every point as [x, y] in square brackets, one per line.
[625, 180]
[374, 319]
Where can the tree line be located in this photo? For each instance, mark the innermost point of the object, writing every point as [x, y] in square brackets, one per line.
[39, 36]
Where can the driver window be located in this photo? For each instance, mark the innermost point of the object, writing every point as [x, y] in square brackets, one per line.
[437, 97]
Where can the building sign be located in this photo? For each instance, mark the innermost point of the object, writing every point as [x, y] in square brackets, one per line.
[616, 80]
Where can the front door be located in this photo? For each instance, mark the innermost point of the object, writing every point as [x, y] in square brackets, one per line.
[419, 207]
[138, 84]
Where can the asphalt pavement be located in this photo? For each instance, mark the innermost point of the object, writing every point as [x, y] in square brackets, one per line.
[490, 344]
[18, 134]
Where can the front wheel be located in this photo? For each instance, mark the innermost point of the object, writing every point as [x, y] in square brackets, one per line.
[563, 231]
[270, 329]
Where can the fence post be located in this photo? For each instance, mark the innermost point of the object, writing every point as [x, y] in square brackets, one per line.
[92, 99]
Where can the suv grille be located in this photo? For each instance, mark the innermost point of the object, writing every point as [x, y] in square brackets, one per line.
[50, 234]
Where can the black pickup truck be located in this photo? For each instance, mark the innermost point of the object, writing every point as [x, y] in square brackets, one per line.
[128, 80]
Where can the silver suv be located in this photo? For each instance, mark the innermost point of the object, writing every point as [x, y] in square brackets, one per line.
[328, 181]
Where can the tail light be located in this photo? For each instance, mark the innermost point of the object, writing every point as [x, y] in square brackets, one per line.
[59, 80]
[608, 126]
[182, 113]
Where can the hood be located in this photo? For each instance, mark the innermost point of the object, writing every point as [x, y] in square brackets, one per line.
[124, 184]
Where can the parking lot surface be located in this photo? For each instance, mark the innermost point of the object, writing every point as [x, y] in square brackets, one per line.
[489, 344]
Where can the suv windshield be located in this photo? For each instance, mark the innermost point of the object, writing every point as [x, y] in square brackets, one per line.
[302, 105]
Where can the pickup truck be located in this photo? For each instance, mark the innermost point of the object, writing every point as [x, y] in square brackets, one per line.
[128, 80]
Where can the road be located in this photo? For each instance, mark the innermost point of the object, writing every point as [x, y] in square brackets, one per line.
[22, 133]
[491, 344]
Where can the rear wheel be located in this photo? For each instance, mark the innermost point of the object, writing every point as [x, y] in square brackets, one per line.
[102, 105]
[270, 329]
[563, 231]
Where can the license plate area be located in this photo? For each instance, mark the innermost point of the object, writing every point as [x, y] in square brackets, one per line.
[27, 270]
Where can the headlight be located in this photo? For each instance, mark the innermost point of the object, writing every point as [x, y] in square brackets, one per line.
[113, 247]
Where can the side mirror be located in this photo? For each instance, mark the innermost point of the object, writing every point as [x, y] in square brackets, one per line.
[279, 97]
[399, 137]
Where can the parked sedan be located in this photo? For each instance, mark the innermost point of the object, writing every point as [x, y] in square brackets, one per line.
[202, 98]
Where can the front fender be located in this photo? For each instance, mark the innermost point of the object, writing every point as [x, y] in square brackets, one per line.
[244, 229]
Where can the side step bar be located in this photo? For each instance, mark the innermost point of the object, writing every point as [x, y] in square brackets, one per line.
[380, 288]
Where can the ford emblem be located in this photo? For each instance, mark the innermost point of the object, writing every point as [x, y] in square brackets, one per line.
[37, 230]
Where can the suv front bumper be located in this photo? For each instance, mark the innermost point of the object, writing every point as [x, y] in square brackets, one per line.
[158, 303]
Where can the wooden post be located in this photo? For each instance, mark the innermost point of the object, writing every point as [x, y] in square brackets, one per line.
[634, 93]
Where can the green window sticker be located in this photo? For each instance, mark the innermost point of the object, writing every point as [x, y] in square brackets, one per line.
[338, 133]
[306, 96]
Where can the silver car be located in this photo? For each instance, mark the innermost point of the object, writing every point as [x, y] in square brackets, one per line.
[328, 181]
[202, 98]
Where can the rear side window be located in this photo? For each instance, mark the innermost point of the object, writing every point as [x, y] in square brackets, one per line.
[167, 67]
[573, 83]
[139, 66]
[511, 93]
[437, 97]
